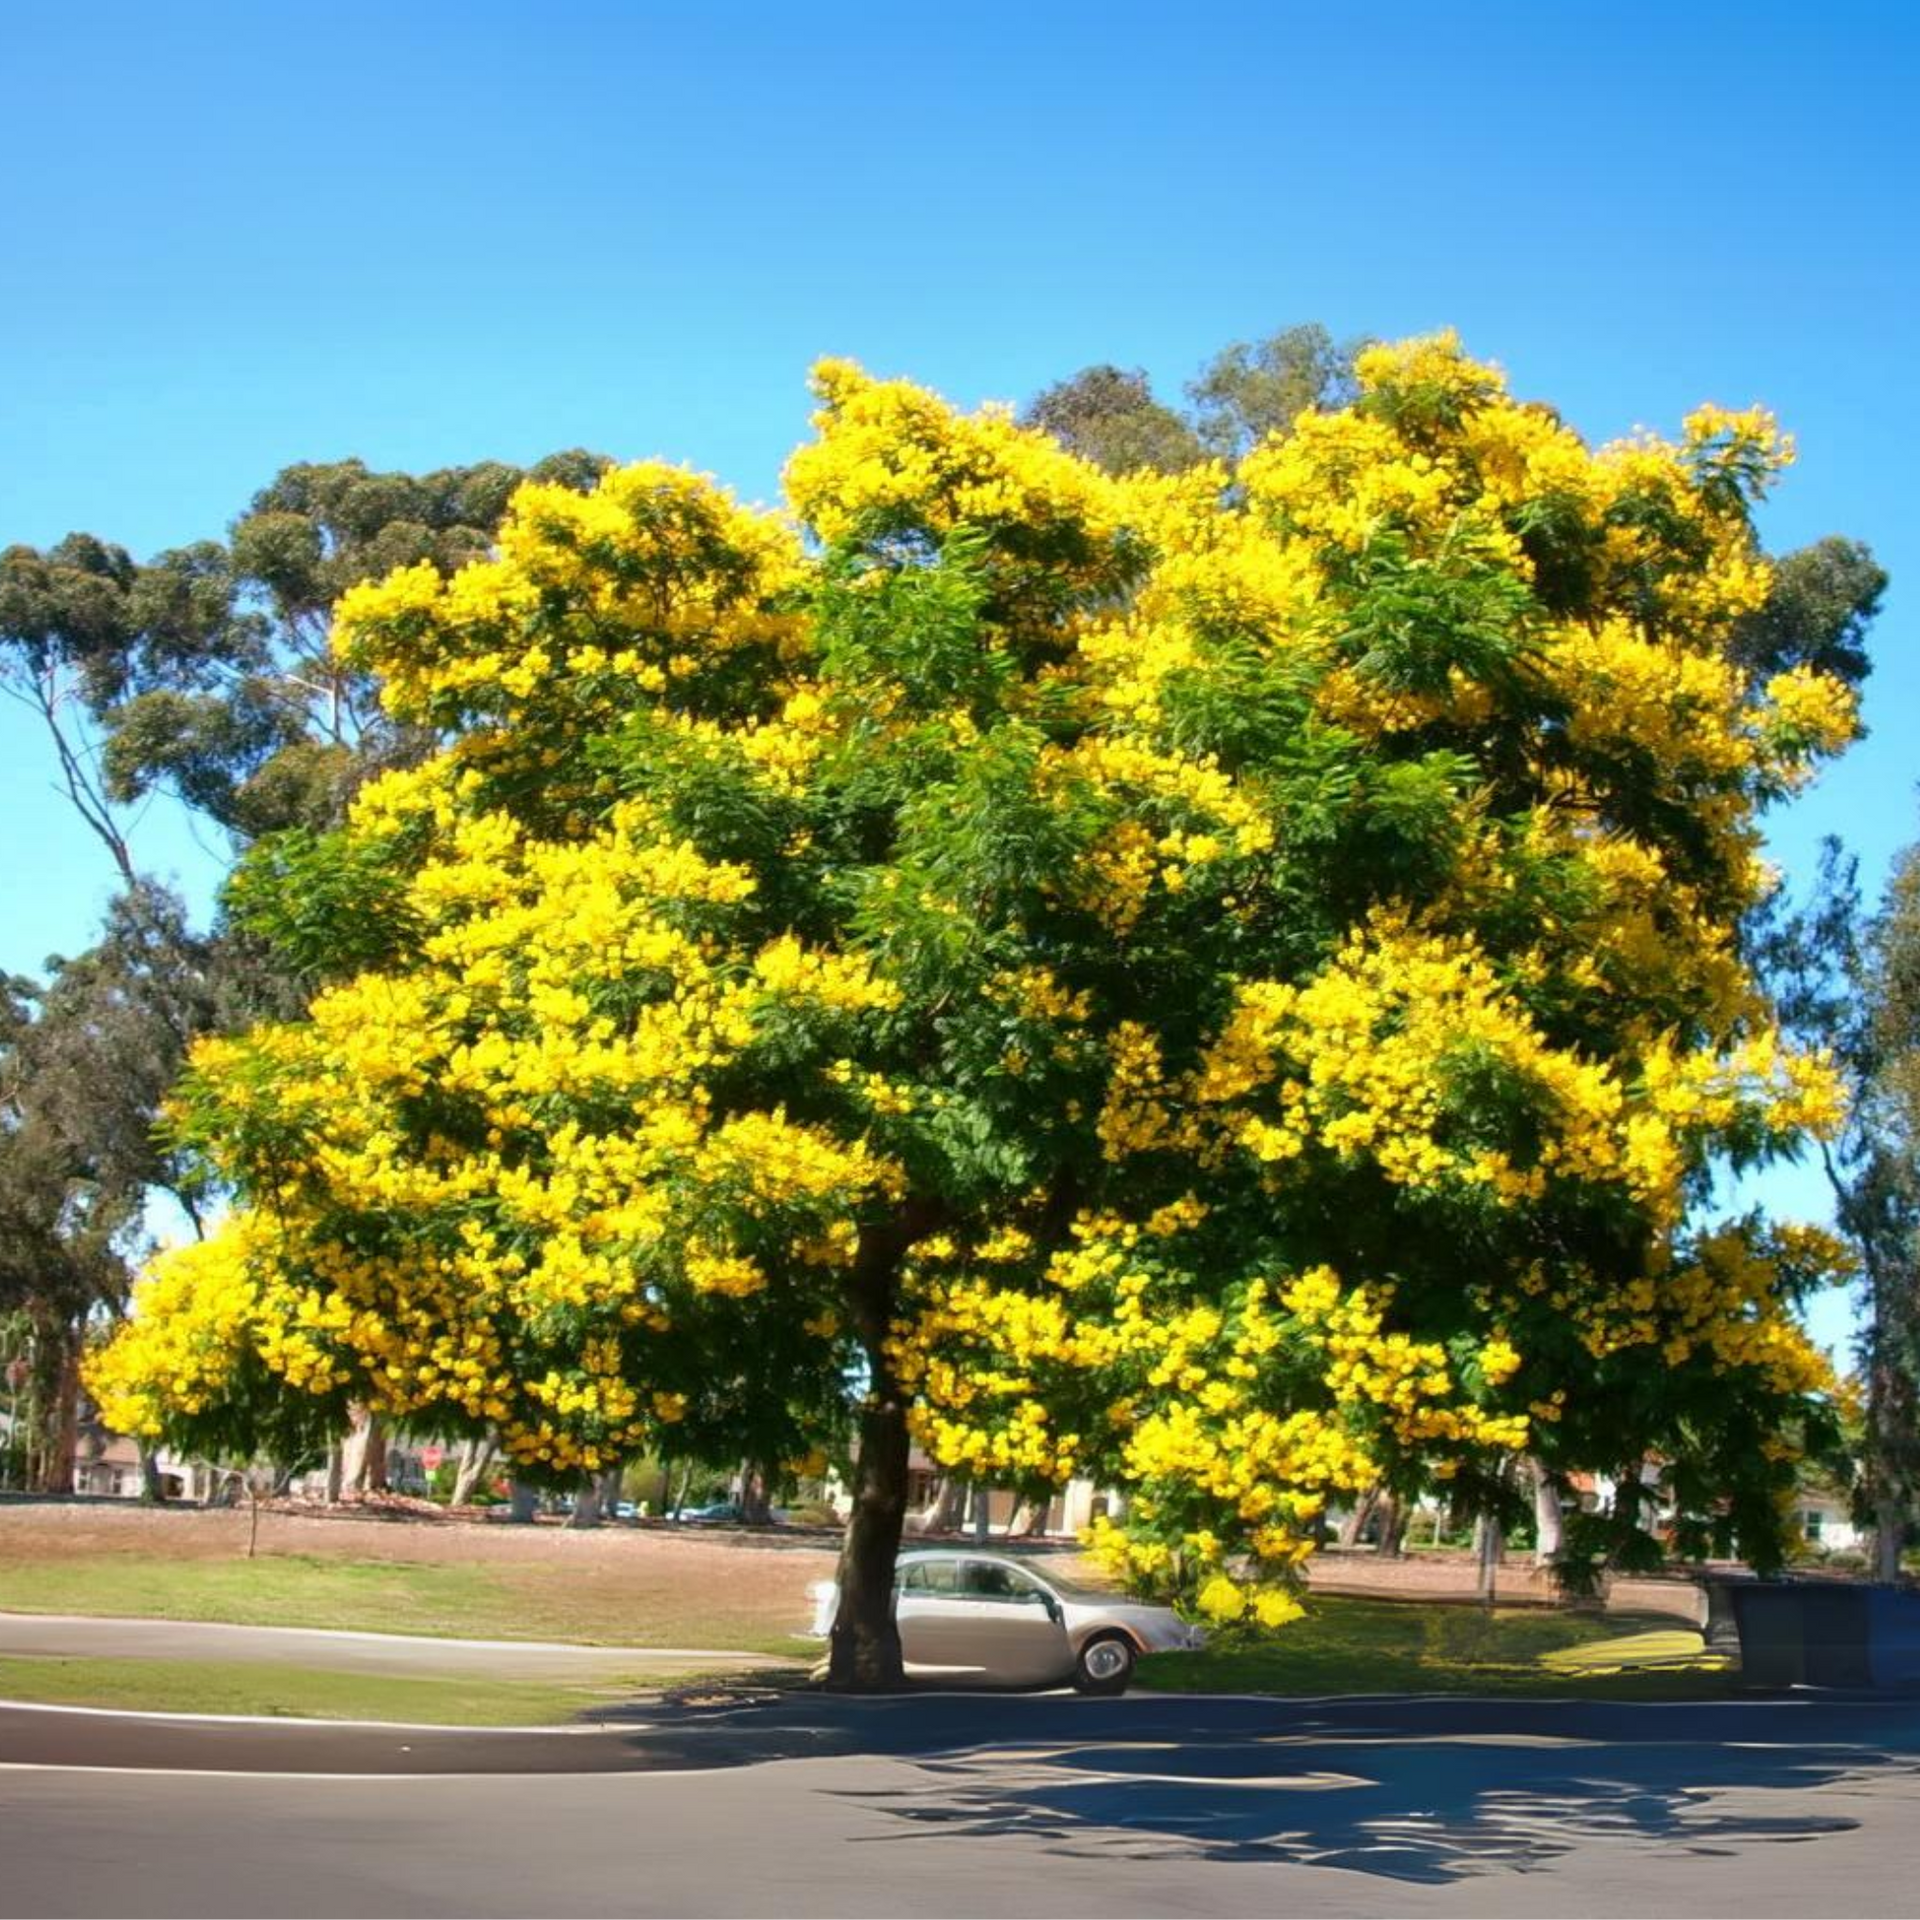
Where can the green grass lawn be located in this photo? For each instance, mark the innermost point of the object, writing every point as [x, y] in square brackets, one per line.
[1383, 1646]
[1343, 1646]
[280, 1590]
[372, 1596]
[252, 1687]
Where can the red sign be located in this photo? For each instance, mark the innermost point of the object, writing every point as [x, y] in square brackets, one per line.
[430, 1457]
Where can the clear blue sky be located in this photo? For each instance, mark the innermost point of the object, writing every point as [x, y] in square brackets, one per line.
[240, 235]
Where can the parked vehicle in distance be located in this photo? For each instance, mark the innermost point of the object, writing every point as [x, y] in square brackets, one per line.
[998, 1621]
[725, 1512]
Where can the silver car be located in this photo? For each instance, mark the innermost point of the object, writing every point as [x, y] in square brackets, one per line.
[986, 1618]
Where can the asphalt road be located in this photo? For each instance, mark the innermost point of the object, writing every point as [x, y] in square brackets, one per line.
[734, 1803]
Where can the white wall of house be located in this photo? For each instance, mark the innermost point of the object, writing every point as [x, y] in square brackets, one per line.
[1826, 1523]
[114, 1477]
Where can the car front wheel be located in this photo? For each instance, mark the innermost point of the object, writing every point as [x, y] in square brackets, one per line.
[1105, 1665]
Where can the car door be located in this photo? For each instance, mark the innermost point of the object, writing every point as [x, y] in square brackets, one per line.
[1007, 1627]
[930, 1614]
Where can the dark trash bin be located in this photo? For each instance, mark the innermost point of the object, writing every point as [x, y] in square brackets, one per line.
[1825, 1633]
[1893, 1636]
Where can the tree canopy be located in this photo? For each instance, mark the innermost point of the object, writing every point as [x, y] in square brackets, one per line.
[1215, 987]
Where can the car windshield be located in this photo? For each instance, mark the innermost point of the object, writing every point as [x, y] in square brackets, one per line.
[1083, 1590]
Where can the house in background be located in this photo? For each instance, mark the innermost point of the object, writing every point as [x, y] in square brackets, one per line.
[1826, 1521]
[107, 1466]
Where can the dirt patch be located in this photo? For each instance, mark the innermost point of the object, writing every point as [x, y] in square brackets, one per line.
[746, 1583]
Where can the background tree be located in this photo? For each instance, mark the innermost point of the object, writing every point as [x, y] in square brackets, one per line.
[1233, 994]
[62, 613]
[1851, 982]
[1245, 394]
[1251, 391]
[1111, 418]
[1820, 603]
[86, 1062]
[206, 672]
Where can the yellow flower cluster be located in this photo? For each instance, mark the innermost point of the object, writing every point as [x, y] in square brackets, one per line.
[892, 455]
[654, 554]
[197, 1313]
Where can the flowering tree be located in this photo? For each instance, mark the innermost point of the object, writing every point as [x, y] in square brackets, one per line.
[1221, 990]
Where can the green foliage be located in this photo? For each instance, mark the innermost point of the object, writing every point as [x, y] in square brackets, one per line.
[325, 903]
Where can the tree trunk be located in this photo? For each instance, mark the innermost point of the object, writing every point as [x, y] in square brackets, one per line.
[588, 1502]
[153, 1489]
[1629, 1495]
[756, 1495]
[949, 1507]
[1355, 1524]
[63, 1426]
[686, 1487]
[365, 1466]
[1392, 1543]
[524, 1502]
[476, 1456]
[53, 1426]
[864, 1651]
[1489, 1542]
[336, 1472]
[1889, 1536]
[1549, 1520]
[1030, 1516]
[983, 1513]
[1890, 1442]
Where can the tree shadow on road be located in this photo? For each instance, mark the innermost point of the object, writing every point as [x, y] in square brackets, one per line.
[1413, 1790]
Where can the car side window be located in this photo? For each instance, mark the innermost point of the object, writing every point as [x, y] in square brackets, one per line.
[985, 1580]
[928, 1576]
